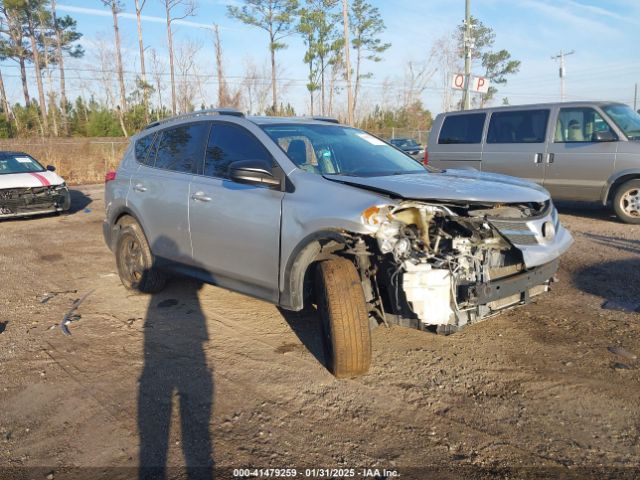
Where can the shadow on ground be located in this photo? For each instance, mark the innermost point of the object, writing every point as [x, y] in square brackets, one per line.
[79, 201]
[595, 211]
[307, 326]
[624, 244]
[615, 281]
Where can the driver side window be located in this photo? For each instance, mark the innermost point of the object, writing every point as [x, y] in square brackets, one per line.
[579, 125]
[230, 143]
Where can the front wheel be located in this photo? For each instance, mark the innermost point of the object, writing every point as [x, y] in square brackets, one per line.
[135, 261]
[345, 320]
[626, 202]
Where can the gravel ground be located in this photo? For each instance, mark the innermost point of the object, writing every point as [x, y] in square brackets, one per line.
[547, 390]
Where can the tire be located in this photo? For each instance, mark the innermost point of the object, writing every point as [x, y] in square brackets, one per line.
[135, 261]
[345, 321]
[626, 202]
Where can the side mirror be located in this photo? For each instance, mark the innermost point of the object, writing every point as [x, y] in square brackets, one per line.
[51, 168]
[604, 136]
[253, 172]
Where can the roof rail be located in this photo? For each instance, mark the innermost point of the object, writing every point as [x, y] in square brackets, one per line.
[198, 113]
[324, 119]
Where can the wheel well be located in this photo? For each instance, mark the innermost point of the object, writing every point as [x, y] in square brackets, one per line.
[619, 181]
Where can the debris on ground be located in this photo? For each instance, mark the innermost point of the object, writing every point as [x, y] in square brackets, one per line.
[3, 325]
[616, 350]
[621, 366]
[46, 296]
[71, 315]
[622, 306]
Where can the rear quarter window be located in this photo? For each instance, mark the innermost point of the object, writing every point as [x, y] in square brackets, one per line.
[142, 147]
[463, 129]
[522, 126]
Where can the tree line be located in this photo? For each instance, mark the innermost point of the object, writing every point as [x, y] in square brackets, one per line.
[341, 38]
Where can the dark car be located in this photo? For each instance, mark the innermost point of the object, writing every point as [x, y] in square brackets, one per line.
[410, 146]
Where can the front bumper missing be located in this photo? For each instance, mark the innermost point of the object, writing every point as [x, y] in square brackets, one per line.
[20, 202]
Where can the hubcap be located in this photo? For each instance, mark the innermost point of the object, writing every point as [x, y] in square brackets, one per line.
[630, 202]
[133, 261]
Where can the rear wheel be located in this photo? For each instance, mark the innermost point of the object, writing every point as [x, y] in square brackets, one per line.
[345, 320]
[135, 260]
[626, 202]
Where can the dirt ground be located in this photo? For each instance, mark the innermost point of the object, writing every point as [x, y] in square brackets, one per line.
[208, 374]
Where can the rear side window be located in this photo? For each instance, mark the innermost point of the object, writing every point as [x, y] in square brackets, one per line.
[181, 149]
[228, 144]
[524, 126]
[462, 128]
[142, 147]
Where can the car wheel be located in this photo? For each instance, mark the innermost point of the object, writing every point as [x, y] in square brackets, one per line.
[626, 202]
[345, 321]
[135, 261]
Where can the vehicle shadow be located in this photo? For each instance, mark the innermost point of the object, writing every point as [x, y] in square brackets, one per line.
[625, 244]
[79, 201]
[307, 326]
[617, 281]
[175, 367]
[595, 211]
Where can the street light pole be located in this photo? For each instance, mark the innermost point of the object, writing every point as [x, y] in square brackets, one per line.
[561, 56]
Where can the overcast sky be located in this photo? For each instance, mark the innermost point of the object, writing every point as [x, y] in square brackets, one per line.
[603, 33]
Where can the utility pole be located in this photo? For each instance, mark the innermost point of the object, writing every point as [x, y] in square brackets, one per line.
[635, 99]
[345, 20]
[468, 45]
[560, 57]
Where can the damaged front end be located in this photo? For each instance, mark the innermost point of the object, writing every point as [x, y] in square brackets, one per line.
[17, 202]
[436, 266]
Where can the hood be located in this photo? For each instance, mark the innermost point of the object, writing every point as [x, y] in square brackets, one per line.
[458, 186]
[31, 179]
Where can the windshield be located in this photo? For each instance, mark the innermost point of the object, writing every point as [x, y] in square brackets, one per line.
[404, 142]
[19, 163]
[626, 119]
[338, 150]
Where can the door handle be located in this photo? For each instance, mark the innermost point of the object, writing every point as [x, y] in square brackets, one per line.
[537, 158]
[550, 157]
[201, 197]
[138, 187]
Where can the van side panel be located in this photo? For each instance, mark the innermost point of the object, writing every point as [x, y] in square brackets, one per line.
[454, 155]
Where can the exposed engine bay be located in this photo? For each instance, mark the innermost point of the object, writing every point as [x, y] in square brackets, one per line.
[32, 200]
[445, 266]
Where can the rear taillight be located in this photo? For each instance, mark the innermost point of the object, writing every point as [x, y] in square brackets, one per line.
[109, 176]
[426, 157]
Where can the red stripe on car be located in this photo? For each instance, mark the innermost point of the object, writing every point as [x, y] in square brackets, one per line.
[42, 178]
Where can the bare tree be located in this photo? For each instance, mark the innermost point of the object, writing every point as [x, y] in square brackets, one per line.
[188, 9]
[116, 7]
[103, 49]
[256, 87]
[44, 38]
[446, 53]
[5, 103]
[187, 84]
[226, 97]
[417, 76]
[32, 15]
[143, 72]
[158, 71]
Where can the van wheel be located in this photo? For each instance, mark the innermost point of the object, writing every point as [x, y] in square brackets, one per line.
[345, 321]
[626, 202]
[135, 261]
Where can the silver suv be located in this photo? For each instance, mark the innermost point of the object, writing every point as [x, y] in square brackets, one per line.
[586, 151]
[310, 213]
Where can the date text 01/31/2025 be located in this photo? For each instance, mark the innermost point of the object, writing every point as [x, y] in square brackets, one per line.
[314, 473]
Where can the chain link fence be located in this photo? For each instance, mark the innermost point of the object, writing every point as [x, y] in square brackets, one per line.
[77, 160]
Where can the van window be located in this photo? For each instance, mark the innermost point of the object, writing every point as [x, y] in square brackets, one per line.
[462, 128]
[142, 147]
[576, 125]
[520, 126]
[181, 149]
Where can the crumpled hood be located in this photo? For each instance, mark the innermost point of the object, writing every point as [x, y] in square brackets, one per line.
[452, 185]
[32, 179]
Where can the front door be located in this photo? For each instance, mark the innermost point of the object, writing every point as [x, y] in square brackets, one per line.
[515, 144]
[235, 228]
[576, 165]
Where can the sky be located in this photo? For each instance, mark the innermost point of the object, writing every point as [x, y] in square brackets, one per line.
[604, 35]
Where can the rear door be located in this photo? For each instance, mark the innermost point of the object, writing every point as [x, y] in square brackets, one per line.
[235, 228]
[515, 144]
[459, 143]
[159, 190]
[577, 166]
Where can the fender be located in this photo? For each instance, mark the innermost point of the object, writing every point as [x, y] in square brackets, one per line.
[616, 179]
[308, 250]
[111, 226]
